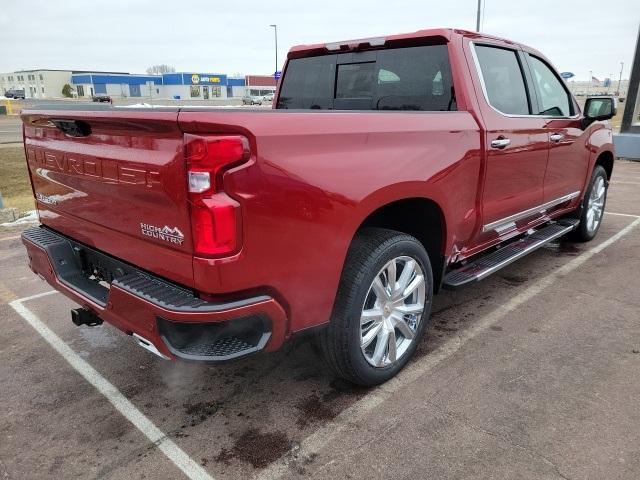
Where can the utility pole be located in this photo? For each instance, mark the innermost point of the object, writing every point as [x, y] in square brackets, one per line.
[619, 79]
[275, 31]
[478, 15]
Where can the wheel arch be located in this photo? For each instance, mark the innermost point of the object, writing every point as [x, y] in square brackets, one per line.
[430, 229]
[605, 160]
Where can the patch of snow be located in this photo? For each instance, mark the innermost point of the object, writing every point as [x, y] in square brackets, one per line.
[30, 217]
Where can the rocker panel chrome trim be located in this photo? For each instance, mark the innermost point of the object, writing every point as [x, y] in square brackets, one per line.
[527, 213]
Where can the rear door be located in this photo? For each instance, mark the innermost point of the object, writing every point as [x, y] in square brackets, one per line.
[516, 140]
[568, 155]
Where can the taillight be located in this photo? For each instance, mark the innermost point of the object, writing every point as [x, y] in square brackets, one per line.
[215, 217]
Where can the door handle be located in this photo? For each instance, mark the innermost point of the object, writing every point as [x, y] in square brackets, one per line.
[500, 142]
[556, 137]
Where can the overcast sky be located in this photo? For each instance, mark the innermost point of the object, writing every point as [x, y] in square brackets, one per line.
[220, 36]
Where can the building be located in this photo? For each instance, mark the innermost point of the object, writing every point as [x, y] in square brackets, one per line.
[235, 87]
[36, 83]
[117, 84]
[174, 86]
[260, 85]
[178, 86]
[194, 86]
[583, 88]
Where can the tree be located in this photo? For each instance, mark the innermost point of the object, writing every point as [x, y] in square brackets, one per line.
[160, 69]
[67, 91]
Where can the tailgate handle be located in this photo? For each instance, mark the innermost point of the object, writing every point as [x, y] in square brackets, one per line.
[73, 128]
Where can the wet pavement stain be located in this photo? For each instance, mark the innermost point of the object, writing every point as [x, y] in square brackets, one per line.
[569, 249]
[256, 448]
[513, 279]
[312, 410]
[199, 412]
[564, 248]
[442, 328]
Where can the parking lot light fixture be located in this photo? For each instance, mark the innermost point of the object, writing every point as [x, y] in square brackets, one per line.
[275, 32]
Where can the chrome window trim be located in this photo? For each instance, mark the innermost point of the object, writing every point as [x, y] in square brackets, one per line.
[496, 225]
[476, 62]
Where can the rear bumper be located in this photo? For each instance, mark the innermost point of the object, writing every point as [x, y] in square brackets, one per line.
[175, 322]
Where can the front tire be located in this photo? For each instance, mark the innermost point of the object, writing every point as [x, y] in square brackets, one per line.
[593, 205]
[382, 307]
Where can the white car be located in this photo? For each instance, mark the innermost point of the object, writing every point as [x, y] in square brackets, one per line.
[269, 97]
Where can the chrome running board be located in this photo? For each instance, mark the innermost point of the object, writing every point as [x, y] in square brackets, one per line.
[484, 266]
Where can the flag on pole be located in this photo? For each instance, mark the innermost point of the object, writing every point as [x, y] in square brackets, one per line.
[595, 80]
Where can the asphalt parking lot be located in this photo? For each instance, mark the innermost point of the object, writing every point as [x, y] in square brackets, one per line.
[533, 373]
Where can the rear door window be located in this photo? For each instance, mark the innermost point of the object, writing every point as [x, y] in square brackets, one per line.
[413, 78]
[503, 80]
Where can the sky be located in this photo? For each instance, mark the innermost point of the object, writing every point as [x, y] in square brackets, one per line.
[235, 37]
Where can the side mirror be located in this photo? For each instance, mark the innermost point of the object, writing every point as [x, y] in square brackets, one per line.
[598, 108]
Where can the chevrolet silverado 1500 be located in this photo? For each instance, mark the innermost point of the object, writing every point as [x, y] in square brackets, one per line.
[388, 168]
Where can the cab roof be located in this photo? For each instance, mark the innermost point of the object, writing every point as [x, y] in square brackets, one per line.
[402, 39]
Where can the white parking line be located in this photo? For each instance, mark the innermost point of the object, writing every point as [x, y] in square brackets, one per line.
[174, 453]
[622, 214]
[9, 238]
[314, 443]
[625, 183]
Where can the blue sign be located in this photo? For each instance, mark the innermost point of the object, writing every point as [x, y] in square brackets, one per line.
[277, 75]
[607, 82]
[567, 75]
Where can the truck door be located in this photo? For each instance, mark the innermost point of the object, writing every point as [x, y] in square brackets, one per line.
[568, 153]
[516, 141]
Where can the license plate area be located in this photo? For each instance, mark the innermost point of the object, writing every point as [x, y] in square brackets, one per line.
[85, 270]
[100, 268]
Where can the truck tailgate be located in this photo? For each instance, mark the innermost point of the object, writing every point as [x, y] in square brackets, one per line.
[114, 179]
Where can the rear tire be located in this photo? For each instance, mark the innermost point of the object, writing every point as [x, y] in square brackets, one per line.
[378, 321]
[593, 205]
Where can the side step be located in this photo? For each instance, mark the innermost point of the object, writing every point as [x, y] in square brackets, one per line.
[484, 266]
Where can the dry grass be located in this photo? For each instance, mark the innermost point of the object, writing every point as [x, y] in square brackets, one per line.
[14, 179]
[617, 120]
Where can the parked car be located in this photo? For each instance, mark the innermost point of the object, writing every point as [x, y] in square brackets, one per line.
[252, 100]
[223, 233]
[102, 98]
[269, 97]
[13, 93]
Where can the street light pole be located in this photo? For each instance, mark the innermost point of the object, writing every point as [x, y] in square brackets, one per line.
[478, 16]
[619, 79]
[275, 32]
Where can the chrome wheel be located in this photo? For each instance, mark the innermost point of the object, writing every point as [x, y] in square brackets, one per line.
[392, 311]
[595, 205]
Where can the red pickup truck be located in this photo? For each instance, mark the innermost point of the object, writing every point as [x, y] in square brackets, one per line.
[388, 168]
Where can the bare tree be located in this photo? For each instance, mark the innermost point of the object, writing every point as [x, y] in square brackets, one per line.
[160, 69]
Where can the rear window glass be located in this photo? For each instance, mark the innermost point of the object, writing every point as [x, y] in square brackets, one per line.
[309, 83]
[414, 78]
